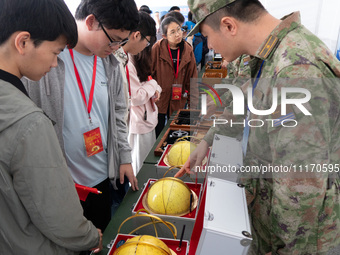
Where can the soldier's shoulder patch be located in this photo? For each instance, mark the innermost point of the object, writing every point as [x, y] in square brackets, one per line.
[268, 46]
[246, 60]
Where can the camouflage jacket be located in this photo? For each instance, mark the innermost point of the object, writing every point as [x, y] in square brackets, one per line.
[238, 73]
[239, 68]
[297, 212]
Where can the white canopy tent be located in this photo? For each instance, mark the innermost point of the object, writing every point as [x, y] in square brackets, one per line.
[322, 17]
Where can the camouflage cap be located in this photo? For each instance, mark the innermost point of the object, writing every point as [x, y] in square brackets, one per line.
[200, 9]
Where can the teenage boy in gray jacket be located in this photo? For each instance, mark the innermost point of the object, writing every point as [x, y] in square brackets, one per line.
[40, 211]
[85, 97]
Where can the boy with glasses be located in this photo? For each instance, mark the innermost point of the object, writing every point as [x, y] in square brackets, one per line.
[39, 208]
[112, 42]
[85, 97]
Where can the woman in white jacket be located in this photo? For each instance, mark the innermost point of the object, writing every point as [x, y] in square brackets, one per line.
[143, 91]
[143, 115]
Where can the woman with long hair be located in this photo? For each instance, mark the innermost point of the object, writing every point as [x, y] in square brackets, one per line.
[144, 92]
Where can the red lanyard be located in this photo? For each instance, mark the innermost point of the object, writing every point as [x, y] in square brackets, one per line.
[128, 79]
[175, 73]
[80, 85]
[128, 73]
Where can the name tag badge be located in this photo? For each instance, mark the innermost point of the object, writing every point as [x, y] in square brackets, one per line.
[176, 92]
[93, 142]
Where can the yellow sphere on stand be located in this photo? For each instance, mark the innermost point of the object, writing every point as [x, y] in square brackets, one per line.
[168, 196]
[141, 245]
[179, 153]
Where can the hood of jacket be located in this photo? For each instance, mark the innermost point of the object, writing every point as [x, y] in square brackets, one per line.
[15, 105]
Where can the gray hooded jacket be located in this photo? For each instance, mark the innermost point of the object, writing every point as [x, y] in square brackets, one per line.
[48, 93]
[40, 212]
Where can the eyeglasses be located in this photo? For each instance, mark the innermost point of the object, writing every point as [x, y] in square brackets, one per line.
[146, 40]
[112, 42]
[179, 31]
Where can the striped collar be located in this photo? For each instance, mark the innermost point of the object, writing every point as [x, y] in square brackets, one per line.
[289, 23]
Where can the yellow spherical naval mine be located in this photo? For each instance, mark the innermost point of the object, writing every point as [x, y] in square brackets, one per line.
[169, 196]
[179, 153]
[141, 245]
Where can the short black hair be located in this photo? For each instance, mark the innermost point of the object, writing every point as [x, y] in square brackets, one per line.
[145, 8]
[243, 10]
[112, 14]
[45, 20]
[166, 22]
[177, 15]
[190, 16]
[174, 8]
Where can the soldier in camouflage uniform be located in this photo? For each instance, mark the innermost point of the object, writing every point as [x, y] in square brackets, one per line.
[294, 212]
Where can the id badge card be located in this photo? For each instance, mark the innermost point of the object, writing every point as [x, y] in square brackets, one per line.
[176, 92]
[92, 140]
